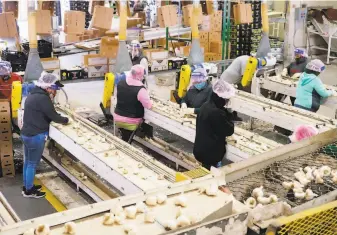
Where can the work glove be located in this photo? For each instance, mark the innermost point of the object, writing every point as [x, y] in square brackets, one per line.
[284, 72]
[296, 76]
[183, 106]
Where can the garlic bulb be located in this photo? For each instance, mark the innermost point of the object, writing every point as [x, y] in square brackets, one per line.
[300, 176]
[29, 232]
[161, 198]
[119, 219]
[316, 173]
[82, 175]
[85, 178]
[151, 201]
[42, 229]
[128, 228]
[309, 195]
[251, 202]
[264, 200]
[131, 212]
[319, 180]
[309, 175]
[69, 228]
[325, 170]
[273, 198]
[298, 190]
[149, 217]
[307, 169]
[212, 190]
[181, 201]
[258, 192]
[141, 207]
[171, 224]
[117, 210]
[300, 195]
[183, 221]
[288, 185]
[108, 219]
[297, 184]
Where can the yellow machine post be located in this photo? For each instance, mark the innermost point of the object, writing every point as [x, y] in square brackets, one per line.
[16, 98]
[184, 80]
[109, 85]
[249, 71]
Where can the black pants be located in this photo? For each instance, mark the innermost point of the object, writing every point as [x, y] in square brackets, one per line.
[279, 97]
[126, 134]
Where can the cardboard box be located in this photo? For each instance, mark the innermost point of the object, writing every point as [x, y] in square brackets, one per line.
[187, 15]
[72, 38]
[97, 33]
[206, 23]
[209, 56]
[94, 60]
[43, 22]
[158, 65]
[109, 47]
[215, 47]
[8, 25]
[203, 35]
[205, 46]
[11, 6]
[74, 22]
[186, 50]
[155, 54]
[97, 71]
[214, 36]
[89, 32]
[50, 63]
[167, 16]
[142, 17]
[243, 13]
[216, 21]
[102, 17]
[133, 22]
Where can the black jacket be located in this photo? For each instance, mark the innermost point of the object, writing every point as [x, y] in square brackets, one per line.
[295, 67]
[196, 98]
[39, 112]
[213, 126]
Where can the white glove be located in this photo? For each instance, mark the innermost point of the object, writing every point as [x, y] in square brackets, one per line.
[296, 76]
[284, 72]
[183, 106]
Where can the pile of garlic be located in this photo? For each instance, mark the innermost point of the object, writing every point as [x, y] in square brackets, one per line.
[181, 220]
[210, 190]
[306, 176]
[258, 196]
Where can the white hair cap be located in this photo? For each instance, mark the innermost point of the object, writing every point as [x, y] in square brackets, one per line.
[223, 89]
[46, 80]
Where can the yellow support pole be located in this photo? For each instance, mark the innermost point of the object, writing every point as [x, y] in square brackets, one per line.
[109, 85]
[16, 98]
[184, 80]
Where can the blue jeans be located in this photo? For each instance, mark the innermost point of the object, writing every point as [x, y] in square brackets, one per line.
[33, 149]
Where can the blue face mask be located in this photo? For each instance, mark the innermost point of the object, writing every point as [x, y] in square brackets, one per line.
[199, 86]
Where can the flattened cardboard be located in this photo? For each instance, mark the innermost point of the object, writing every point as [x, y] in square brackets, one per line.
[8, 25]
[102, 17]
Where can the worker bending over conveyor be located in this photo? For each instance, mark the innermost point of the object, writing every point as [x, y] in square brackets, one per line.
[132, 98]
[6, 80]
[39, 112]
[198, 93]
[310, 90]
[214, 124]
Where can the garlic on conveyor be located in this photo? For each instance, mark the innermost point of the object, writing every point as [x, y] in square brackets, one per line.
[300, 195]
[151, 201]
[300, 176]
[273, 198]
[85, 178]
[117, 210]
[125, 171]
[251, 202]
[141, 207]
[42, 229]
[287, 185]
[140, 165]
[136, 171]
[69, 228]
[30, 232]
[161, 198]
[201, 189]
[258, 192]
[129, 229]
[181, 200]
[309, 194]
[106, 154]
[183, 221]
[325, 170]
[307, 169]
[264, 200]
[298, 190]
[179, 212]
[160, 177]
[212, 190]
[149, 217]
[108, 219]
[170, 224]
[309, 175]
[119, 219]
[319, 179]
[131, 212]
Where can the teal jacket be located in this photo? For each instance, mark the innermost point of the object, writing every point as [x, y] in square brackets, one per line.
[310, 90]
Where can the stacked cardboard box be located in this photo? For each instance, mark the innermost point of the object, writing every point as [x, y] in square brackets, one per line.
[8, 26]
[212, 45]
[158, 59]
[167, 16]
[43, 22]
[243, 13]
[11, 6]
[216, 21]
[6, 144]
[51, 65]
[109, 47]
[74, 24]
[187, 15]
[97, 65]
[102, 18]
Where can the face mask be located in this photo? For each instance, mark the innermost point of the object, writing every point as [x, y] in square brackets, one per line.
[298, 60]
[199, 86]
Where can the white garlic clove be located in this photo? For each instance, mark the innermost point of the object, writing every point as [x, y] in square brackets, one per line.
[125, 171]
[29, 232]
[179, 211]
[120, 218]
[85, 178]
[183, 221]
[273, 198]
[299, 195]
[288, 185]
[264, 200]
[128, 228]
[258, 192]
[117, 210]
[141, 207]
[212, 190]
[309, 195]
[42, 229]
[298, 190]
[70, 228]
[140, 165]
[161, 198]
[201, 189]
[251, 202]
[149, 217]
[108, 219]
[170, 224]
[151, 201]
[181, 201]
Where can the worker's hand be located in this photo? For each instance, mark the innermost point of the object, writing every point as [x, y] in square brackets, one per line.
[183, 106]
[296, 76]
[284, 72]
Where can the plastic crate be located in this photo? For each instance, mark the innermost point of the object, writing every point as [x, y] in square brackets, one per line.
[44, 48]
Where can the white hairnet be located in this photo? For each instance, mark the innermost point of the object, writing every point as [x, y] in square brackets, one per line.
[302, 52]
[5, 68]
[223, 89]
[46, 80]
[316, 65]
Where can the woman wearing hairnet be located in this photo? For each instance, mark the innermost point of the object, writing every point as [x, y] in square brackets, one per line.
[199, 92]
[310, 90]
[132, 98]
[214, 124]
[39, 112]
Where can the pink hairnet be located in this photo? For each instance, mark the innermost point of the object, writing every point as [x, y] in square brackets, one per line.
[303, 132]
[223, 89]
[137, 72]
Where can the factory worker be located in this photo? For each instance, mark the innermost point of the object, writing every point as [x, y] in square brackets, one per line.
[310, 90]
[233, 74]
[132, 98]
[214, 124]
[198, 93]
[296, 68]
[136, 54]
[6, 80]
[303, 132]
[39, 112]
